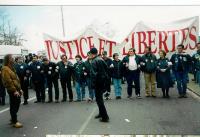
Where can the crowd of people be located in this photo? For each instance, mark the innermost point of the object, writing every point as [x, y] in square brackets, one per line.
[98, 72]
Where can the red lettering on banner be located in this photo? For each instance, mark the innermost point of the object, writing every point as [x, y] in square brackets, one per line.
[101, 43]
[124, 50]
[162, 42]
[173, 39]
[77, 46]
[49, 47]
[185, 33]
[81, 50]
[91, 44]
[151, 41]
[193, 37]
[111, 44]
[69, 48]
[141, 40]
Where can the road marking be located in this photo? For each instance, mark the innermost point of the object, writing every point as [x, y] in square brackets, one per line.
[6, 109]
[193, 94]
[86, 122]
[127, 120]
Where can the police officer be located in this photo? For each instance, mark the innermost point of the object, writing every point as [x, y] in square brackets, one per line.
[131, 65]
[52, 75]
[108, 84]
[163, 74]
[181, 62]
[2, 90]
[80, 78]
[99, 75]
[196, 59]
[87, 74]
[65, 70]
[149, 66]
[37, 72]
[23, 73]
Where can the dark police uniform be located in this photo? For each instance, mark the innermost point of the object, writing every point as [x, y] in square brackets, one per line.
[99, 78]
[164, 79]
[65, 72]
[181, 64]
[196, 59]
[87, 70]
[23, 73]
[108, 84]
[52, 75]
[80, 79]
[38, 80]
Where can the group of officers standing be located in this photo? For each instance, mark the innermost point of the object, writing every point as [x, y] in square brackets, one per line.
[99, 71]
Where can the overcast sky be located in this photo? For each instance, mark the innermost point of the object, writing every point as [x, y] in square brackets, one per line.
[115, 22]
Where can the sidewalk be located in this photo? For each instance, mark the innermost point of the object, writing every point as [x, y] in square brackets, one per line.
[194, 87]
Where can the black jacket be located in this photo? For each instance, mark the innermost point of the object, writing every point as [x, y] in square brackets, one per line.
[108, 62]
[117, 70]
[99, 73]
[88, 67]
[149, 63]
[37, 71]
[65, 71]
[51, 71]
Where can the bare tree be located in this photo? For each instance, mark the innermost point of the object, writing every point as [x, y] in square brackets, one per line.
[9, 35]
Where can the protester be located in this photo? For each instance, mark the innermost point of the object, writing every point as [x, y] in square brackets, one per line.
[12, 84]
[131, 64]
[181, 62]
[38, 79]
[2, 90]
[87, 73]
[66, 69]
[116, 71]
[23, 73]
[108, 84]
[99, 77]
[149, 65]
[51, 75]
[196, 59]
[80, 78]
[163, 74]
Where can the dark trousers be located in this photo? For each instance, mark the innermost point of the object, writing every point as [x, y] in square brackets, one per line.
[108, 87]
[14, 107]
[181, 78]
[64, 83]
[2, 95]
[24, 86]
[133, 76]
[50, 83]
[100, 103]
[40, 90]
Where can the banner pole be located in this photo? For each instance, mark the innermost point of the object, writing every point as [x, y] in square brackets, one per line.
[63, 26]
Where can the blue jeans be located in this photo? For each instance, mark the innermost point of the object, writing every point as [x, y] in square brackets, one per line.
[133, 76]
[181, 78]
[117, 86]
[90, 89]
[80, 90]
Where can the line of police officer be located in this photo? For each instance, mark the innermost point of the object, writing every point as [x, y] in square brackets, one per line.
[45, 75]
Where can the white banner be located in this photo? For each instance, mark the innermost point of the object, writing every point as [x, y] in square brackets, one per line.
[158, 36]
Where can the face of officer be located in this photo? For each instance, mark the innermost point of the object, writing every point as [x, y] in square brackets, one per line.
[161, 54]
[116, 57]
[34, 59]
[147, 50]
[89, 56]
[78, 59]
[131, 52]
[64, 59]
[20, 60]
[46, 62]
[180, 49]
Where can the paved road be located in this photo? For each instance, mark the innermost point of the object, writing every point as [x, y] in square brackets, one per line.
[127, 116]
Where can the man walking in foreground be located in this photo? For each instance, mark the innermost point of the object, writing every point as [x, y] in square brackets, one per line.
[99, 75]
